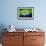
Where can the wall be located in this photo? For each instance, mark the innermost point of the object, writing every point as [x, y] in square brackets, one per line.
[9, 13]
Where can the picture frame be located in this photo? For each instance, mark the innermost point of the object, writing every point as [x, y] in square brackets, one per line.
[25, 13]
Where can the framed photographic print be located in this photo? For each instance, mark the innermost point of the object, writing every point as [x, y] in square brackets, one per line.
[25, 13]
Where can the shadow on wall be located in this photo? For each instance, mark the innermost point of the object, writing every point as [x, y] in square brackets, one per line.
[2, 26]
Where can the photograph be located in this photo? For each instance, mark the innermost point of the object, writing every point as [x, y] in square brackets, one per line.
[25, 13]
